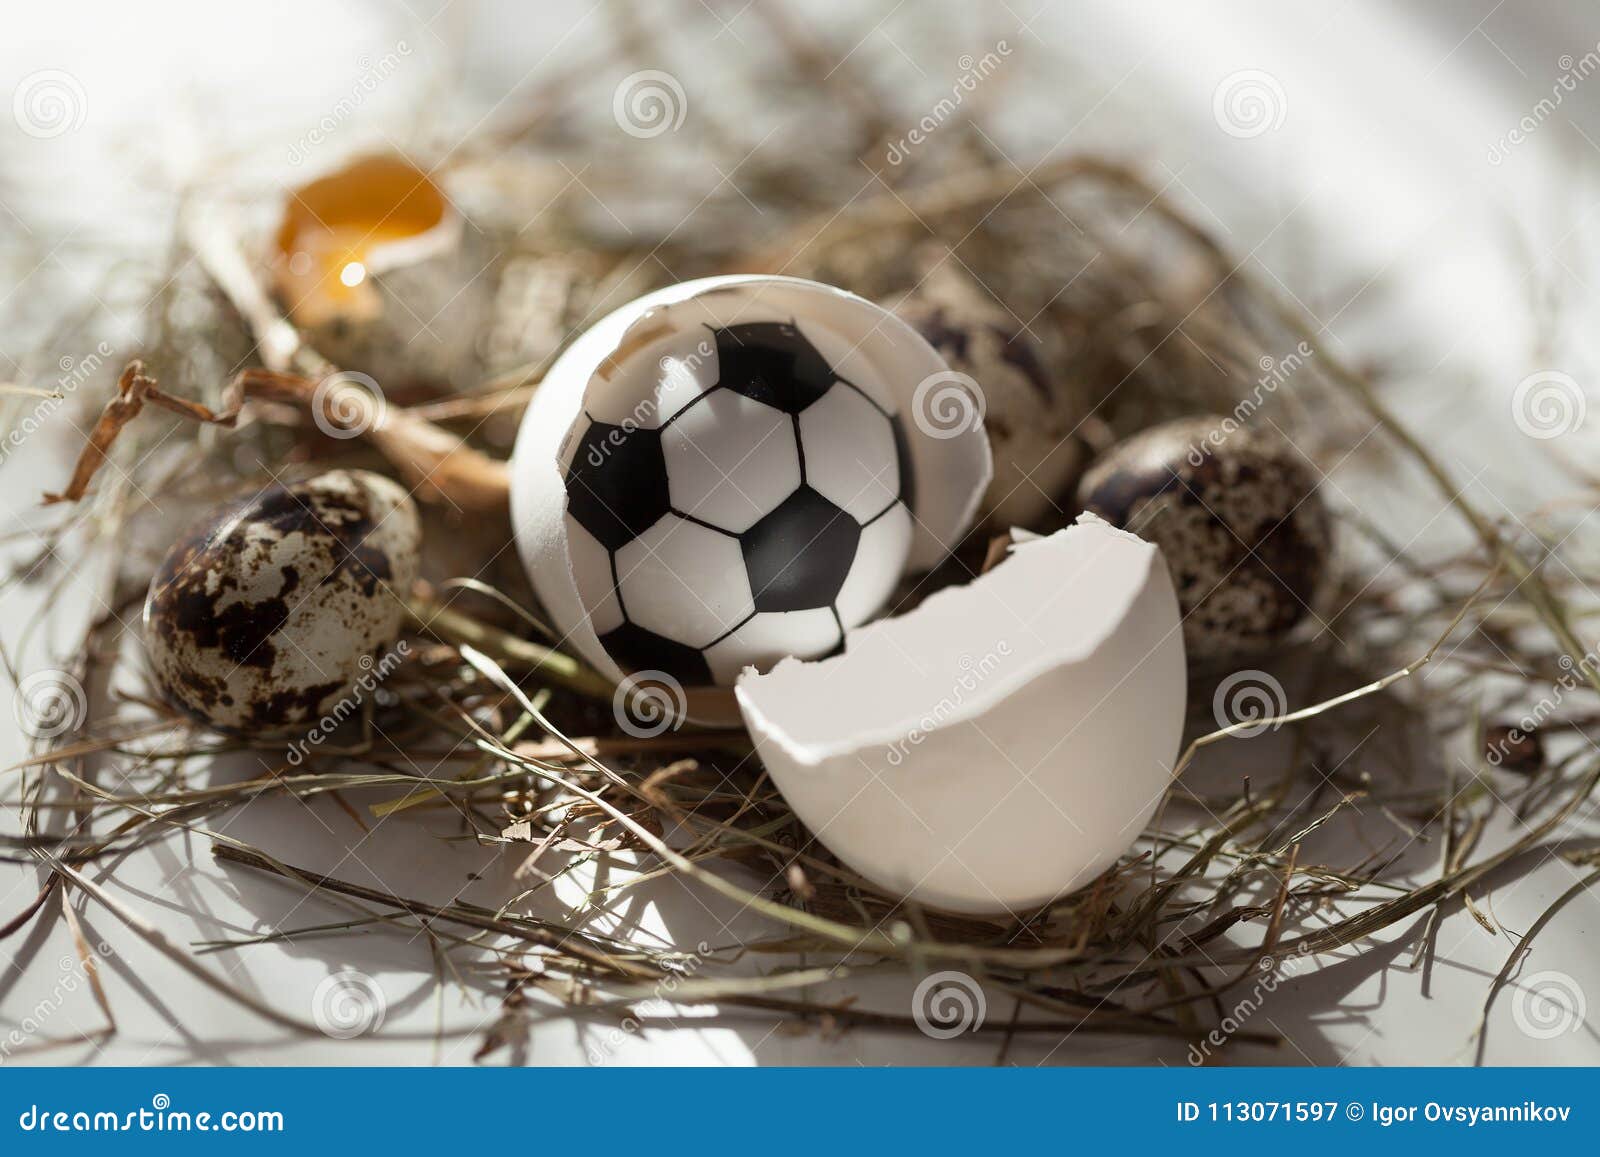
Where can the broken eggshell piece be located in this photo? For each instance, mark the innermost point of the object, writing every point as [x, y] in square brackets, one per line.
[376, 214]
[378, 270]
[1001, 744]
[655, 357]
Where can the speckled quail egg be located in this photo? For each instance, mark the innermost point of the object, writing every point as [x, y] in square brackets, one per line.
[265, 613]
[1031, 412]
[1236, 511]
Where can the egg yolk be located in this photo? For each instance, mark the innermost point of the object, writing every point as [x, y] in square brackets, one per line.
[335, 228]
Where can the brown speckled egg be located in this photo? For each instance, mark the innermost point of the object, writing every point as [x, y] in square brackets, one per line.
[263, 615]
[1236, 512]
[1031, 413]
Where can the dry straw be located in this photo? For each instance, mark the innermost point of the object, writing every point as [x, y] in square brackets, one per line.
[515, 740]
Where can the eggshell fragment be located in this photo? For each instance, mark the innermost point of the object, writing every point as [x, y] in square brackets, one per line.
[376, 214]
[1001, 744]
[625, 360]
[262, 616]
[377, 269]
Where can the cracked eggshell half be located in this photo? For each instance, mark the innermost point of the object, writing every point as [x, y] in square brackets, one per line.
[1000, 745]
[621, 370]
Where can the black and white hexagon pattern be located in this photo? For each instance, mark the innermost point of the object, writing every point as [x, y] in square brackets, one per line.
[758, 520]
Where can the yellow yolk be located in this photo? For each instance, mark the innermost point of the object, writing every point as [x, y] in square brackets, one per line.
[334, 232]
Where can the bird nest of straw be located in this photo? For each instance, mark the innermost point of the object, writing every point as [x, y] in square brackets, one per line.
[510, 750]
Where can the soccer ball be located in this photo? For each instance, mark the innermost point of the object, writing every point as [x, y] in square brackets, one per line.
[756, 506]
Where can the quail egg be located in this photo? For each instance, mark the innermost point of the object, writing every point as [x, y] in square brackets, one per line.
[1031, 410]
[265, 613]
[1237, 512]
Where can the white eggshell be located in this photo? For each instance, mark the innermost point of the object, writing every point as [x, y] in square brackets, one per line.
[1001, 744]
[265, 614]
[643, 363]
